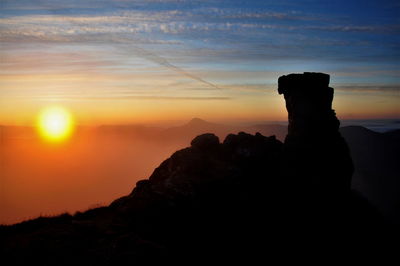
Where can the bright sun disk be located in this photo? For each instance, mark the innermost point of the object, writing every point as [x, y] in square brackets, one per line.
[55, 123]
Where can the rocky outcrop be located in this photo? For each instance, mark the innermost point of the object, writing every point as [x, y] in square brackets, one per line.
[208, 169]
[315, 154]
[309, 104]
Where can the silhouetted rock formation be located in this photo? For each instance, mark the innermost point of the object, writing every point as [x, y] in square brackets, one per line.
[315, 153]
[250, 197]
[309, 104]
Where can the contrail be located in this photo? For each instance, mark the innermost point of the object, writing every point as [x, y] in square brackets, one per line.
[164, 62]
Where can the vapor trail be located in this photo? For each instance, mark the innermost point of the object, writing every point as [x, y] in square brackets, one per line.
[164, 62]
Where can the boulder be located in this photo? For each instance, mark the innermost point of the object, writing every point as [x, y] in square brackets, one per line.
[205, 141]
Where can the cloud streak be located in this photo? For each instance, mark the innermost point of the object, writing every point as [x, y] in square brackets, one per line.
[395, 89]
[59, 98]
[164, 62]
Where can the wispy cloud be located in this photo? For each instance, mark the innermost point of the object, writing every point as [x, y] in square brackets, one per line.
[65, 28]
[392, 28]
[62, 98]
[393, 89]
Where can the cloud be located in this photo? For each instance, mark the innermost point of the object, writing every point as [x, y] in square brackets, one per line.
[58, 98]
[266, 15]
[395, 89]
[355, 28]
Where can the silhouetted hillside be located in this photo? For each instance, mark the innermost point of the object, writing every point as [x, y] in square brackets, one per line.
[393, 135]
[377, 163]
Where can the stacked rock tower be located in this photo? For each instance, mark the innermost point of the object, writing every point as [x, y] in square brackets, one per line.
[316, 156]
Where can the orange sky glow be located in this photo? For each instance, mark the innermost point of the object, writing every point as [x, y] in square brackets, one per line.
[95, 99]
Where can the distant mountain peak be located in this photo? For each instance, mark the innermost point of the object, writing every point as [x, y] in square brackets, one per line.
[197, 121]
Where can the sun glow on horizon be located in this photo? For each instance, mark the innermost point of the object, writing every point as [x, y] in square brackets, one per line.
[55, 124]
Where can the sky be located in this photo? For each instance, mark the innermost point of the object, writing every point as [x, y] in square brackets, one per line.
[121, 61]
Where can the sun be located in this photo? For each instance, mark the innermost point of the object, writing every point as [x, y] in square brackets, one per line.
[55, 123]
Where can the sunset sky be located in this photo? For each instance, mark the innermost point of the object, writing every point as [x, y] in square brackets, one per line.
[121, 61]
